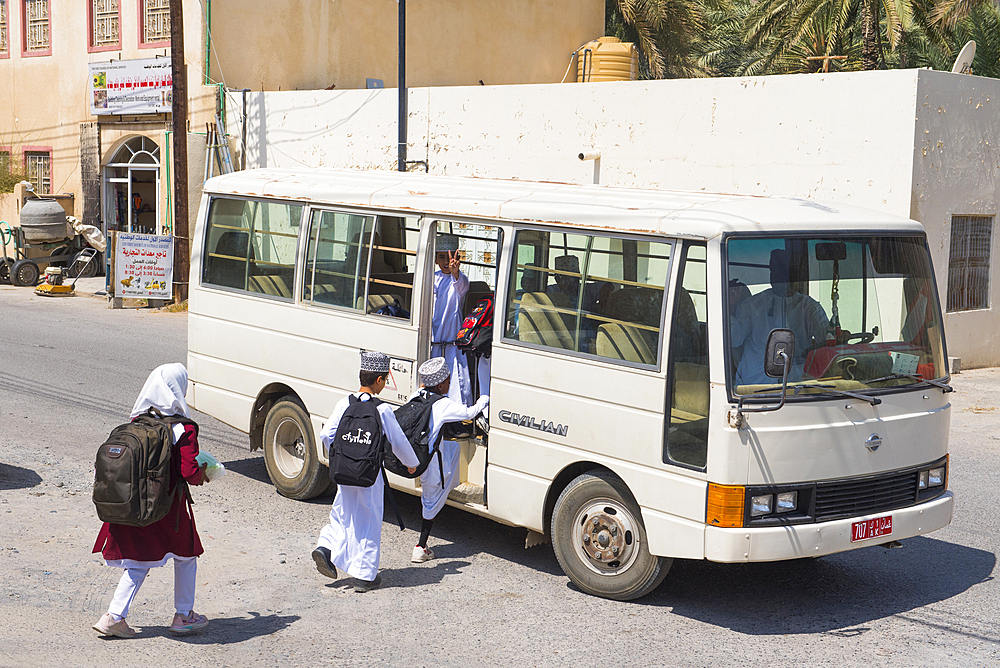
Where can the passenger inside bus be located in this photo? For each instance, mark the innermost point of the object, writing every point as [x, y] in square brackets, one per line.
[595, 293]
[754, 316]
[450, 288]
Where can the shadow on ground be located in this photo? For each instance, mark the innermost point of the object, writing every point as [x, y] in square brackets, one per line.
[228, 630]
[251, 467]
[16, 477]
[838, 594]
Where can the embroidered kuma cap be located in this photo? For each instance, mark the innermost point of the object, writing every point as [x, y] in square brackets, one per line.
[434, 371]
[446, 243]
[570, 263]
[375, 362]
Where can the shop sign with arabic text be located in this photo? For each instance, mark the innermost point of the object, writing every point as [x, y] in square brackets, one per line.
[131, 87]
[144, 266]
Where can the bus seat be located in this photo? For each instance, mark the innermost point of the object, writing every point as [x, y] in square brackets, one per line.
[688, 337]
[691, 388]
[322, 292]
[477, 290]
[375, 302]
[641, 306]
[270, 284]
[379, 265]
[624, 342]
[539, 322]
[231, 270]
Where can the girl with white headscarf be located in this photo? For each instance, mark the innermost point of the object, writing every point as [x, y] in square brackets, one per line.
[137, 549]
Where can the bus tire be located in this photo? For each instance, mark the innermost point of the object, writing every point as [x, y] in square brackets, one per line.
[290, 451]
[600, 540]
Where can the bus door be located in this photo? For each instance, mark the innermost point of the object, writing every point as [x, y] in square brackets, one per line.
[577, 376]
[478, 252]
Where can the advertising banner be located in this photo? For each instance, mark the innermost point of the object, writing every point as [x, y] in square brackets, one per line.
[144, 266]
[129, 87]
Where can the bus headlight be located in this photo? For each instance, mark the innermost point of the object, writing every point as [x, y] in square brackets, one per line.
[935, 477]
[787, 502]
[922, 480]
[761, 505]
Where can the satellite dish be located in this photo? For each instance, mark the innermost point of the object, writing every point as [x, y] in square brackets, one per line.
[963, 64]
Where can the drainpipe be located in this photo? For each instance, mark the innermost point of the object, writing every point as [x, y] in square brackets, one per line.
[208, 41]
[401, 146]
[243, 130]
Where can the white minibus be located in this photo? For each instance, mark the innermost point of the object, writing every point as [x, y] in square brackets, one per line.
[672, 375]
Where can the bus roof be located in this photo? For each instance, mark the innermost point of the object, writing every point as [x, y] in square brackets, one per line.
[673, 213]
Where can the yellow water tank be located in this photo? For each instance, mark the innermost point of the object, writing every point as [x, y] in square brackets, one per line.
[607, 59]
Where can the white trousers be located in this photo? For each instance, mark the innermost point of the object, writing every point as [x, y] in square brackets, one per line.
[185, 572]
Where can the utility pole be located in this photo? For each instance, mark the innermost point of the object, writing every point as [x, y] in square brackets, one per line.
[401, 81]
[179, 111]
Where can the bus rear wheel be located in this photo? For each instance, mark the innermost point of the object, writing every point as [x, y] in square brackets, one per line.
[600, 540]
[290, 451]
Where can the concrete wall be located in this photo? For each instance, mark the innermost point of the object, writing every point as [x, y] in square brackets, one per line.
[956, 171]
[340, 43]
[850, 137]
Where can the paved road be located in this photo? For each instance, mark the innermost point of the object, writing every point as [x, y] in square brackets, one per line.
[71, 370]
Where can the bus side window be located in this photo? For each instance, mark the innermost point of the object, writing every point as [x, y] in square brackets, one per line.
[251, 246]
[337, 259]
[274, 242]
[227, 244]
[393, 262]
[596, 295]
[686, 440]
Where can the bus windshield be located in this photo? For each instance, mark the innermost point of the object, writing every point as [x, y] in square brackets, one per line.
[863, 311]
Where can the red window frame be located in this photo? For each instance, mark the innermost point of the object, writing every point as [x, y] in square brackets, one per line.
[142, 24]
[25, 150]
[90, 30]
[24, 33]
[6, 54]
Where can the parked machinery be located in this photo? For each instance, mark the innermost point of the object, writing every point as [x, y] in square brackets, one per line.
[44, 227]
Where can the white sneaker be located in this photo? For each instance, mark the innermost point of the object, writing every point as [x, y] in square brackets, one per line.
[421, 554]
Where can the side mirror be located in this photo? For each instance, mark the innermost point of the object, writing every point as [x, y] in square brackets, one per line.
[778, 341]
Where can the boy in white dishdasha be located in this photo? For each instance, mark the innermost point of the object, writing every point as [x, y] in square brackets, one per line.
[352, 540]
[435, 376]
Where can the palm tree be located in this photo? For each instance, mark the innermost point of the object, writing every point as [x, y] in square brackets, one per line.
[663, 31]
[778, 27]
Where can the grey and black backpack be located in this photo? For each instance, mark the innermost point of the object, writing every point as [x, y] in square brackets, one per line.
[133, 482]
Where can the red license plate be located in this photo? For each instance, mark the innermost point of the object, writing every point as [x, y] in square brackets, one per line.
[873, 528]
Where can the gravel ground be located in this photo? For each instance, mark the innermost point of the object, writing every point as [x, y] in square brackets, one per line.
[71, 370]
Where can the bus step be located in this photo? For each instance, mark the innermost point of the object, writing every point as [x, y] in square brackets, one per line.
[467, 492]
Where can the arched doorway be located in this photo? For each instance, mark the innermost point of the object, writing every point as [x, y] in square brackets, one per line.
[132, 187]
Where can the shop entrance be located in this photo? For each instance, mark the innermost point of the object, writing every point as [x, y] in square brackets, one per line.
[132, 187]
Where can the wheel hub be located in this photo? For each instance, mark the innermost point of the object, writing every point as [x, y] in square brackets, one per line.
[603, 538]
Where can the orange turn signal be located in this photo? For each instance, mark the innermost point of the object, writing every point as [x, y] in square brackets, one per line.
[725, 506]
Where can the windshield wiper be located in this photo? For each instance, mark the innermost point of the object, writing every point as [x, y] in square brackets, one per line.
[945, 387]
[831, 389]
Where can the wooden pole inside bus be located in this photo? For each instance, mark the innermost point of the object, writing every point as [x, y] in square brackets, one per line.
[179, 110]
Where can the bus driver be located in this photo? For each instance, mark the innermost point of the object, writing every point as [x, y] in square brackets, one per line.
[753, 317]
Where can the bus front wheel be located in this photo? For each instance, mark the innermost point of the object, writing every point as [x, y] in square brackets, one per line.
[600, 540]
[290, 451]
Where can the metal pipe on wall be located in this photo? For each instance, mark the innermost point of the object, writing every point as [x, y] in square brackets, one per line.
[401, 145]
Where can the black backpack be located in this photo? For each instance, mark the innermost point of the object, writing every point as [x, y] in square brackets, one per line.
[395, 309]
[133, 482]
[414, 418]
[357, 447]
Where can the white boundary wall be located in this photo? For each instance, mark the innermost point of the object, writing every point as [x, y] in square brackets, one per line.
[916, 143]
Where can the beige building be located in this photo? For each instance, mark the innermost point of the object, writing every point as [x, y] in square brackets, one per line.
[84, 105]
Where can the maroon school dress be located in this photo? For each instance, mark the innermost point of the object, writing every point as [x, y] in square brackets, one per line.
[176, 532]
